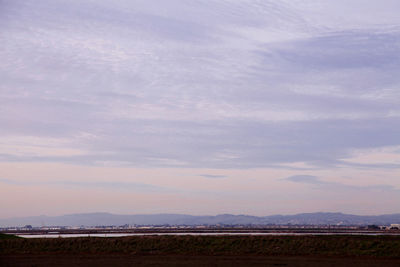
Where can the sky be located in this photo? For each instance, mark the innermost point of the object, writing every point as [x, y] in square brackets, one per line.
[199, 107]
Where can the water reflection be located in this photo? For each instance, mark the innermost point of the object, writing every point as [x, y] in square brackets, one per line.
[197, 234]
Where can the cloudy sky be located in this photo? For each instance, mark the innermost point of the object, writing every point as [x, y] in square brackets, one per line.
[199, 106]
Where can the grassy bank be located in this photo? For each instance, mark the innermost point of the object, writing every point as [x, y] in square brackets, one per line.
[343, 246]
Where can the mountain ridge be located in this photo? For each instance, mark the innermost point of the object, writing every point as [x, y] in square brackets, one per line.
[105, 218]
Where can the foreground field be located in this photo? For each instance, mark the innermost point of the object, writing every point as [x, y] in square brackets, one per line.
[203, 251]
[190, 260]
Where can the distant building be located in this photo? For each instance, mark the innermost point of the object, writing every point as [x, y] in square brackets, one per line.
[395, 226]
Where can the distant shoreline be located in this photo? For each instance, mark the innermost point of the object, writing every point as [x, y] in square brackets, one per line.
[141, 231]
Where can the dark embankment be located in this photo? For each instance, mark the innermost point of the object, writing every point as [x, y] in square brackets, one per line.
[342, 246]
[8, 236]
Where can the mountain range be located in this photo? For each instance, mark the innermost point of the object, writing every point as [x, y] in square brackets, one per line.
[103, 219]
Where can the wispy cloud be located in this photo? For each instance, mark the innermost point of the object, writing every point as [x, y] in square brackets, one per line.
[307, 179]
[115, 185]
[212, 176]
[314, 180]
[199, 77]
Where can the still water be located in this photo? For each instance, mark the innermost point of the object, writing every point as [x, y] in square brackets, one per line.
[198, 234]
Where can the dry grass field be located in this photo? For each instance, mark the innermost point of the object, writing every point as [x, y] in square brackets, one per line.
[203, 251]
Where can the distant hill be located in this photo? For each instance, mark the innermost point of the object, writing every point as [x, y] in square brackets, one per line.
[97, 219]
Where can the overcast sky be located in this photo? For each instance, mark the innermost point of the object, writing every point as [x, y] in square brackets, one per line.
[199, 106]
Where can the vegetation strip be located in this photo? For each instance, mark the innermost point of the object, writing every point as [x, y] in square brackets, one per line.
[377, 246]
[8, 236]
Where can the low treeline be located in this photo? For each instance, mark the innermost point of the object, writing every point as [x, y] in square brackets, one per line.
[370, 246]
